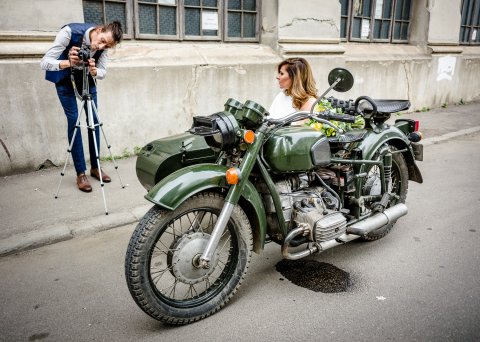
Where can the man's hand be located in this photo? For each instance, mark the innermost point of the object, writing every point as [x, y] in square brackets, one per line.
[73, 56]
[93, 68]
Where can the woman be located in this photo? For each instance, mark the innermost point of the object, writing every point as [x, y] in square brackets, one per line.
[298, 93]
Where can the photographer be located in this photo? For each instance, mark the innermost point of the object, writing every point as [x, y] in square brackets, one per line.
[60, 62]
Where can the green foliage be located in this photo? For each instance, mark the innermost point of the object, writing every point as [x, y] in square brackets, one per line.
[461, 102]
[328, 130]
[424, 109]
[125, 154]
[444, 105]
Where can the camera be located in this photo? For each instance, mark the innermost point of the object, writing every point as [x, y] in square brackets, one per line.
[84, 53]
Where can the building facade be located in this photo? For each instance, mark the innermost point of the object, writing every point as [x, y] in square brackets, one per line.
[182, 58]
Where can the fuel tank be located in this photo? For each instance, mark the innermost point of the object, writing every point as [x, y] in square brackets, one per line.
[295, 149]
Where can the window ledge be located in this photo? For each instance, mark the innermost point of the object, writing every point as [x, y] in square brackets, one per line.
[191, 53]
[381, 51]
[29, 36]
[444, 49]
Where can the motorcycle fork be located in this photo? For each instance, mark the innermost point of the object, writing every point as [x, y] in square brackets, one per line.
[232, 198]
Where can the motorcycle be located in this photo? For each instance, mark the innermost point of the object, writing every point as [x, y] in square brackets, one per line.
[238, 180]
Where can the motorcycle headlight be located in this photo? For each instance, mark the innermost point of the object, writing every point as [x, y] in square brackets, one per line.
[221, 130]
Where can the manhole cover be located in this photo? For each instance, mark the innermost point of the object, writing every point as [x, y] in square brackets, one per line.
[315, 276]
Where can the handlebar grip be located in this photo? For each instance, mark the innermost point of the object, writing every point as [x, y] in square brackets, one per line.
[327, 115]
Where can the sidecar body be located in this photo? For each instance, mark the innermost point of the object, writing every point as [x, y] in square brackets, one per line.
[162, 157]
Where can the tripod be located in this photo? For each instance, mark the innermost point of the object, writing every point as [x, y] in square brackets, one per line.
[91, 111]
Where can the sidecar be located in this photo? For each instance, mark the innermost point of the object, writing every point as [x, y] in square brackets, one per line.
[161, 157]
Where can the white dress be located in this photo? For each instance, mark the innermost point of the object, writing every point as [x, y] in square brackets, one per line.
[281, 106]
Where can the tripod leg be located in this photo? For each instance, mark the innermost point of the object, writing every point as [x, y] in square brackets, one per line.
[100, 124]
[91, 126]
[69, 150]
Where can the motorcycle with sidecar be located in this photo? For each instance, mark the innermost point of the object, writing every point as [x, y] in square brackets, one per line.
[238, 179]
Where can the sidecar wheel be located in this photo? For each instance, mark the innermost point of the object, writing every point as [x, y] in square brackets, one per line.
[161, 267]
[399, 187]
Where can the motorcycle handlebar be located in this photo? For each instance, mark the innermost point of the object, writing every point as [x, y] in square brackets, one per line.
[328, 115]
[369, 100]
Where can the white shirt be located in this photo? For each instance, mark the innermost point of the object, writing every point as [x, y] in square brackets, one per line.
[281, 106]
[50, 61]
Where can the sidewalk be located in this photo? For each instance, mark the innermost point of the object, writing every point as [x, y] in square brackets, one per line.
[31, 217]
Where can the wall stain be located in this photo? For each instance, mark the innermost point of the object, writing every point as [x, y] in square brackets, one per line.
[6, 149]
[36, 337]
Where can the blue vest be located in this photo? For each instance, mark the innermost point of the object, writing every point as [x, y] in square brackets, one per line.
[78, 31]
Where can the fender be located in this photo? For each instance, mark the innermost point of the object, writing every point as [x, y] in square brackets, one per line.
[174, 189]
[392, 136]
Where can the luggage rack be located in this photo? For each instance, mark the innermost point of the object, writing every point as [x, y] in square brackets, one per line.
[349, 137]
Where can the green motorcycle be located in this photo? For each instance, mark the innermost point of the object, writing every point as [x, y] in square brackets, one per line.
[238, 180]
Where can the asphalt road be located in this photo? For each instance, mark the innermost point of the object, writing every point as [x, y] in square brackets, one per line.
[420, 283]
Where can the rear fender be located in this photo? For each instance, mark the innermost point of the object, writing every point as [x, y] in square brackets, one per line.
[177, 187]
[395, 137]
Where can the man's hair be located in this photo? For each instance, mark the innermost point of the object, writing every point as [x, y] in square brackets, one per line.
[116, 28]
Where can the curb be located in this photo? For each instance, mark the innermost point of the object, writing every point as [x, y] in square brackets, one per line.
[62, 232]
[451, 135]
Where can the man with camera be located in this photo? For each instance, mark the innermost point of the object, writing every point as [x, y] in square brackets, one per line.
[79, 46]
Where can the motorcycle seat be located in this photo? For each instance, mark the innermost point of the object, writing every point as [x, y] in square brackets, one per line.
[389, 106]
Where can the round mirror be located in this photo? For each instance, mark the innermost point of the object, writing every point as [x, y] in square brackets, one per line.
[345, 79]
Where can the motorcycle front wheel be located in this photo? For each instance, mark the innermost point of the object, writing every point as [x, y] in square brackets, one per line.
[161, 264]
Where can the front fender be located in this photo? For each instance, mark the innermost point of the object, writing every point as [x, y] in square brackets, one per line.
[392, 136]
[177, 187]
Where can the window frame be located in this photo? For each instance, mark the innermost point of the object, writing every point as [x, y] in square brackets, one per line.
[258, 15]
[371, 17]
[222, 11]
[152, 36]
[128, 31]
[219, 10]
[469, 25]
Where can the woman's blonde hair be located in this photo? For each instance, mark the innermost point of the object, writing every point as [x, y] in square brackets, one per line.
[303, 84]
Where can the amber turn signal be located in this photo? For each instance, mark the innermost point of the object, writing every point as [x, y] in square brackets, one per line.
[232, 175]
[249, 137]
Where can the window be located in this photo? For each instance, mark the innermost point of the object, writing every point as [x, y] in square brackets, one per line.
[227, 20]
[105, 11]
[242, 19]
[470, 27]
[156, 19]
[375, 20]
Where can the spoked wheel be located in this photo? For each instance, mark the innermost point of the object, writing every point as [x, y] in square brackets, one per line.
[162, 262]
[398, 186]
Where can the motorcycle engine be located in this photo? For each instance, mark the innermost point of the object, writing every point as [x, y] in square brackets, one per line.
[306, 205]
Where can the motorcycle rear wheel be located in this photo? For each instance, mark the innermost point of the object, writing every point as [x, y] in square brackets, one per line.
[399, 187]
[164, 248]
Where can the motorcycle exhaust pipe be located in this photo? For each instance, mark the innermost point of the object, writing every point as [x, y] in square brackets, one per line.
[378, 220]
[354, 232]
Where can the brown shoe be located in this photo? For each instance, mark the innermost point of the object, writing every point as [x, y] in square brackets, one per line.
[83, 183]
[96, 174]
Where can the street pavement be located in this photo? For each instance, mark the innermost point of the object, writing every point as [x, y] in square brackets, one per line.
[32, 217]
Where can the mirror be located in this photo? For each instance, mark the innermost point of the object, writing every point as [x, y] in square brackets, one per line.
[345, 79]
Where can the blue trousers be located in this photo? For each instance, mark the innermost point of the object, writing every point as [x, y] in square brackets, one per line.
[68, 100]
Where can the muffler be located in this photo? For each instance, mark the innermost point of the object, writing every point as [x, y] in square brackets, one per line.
[356, 230]
[378, 220]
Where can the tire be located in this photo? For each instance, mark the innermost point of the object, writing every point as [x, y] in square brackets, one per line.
[399, 186]
[159, 266]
